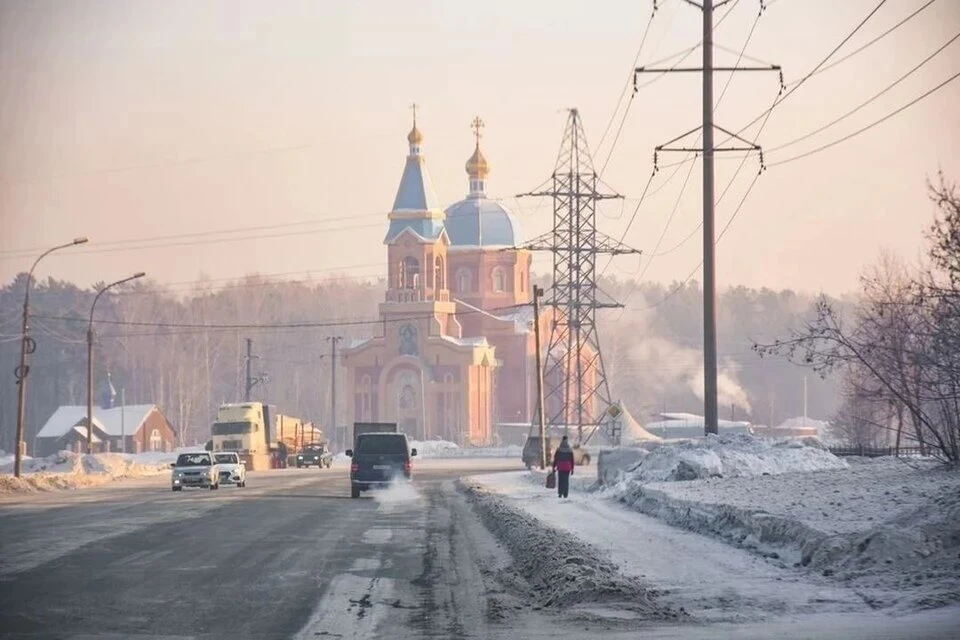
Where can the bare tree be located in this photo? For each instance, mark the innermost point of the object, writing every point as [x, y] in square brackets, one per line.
[900, 347]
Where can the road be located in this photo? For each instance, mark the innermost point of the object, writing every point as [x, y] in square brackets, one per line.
[289, 556]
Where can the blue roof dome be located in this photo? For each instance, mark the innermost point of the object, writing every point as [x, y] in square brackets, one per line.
[480, 222]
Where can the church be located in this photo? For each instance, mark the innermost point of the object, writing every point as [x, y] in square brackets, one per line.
[454, 354]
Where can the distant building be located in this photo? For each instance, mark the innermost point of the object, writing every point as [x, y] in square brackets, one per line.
[454, 354]
[689, 425]
[143, 426]
[795, 428]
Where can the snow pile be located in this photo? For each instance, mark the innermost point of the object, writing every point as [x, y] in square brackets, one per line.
[446, 449]
[433, 448]
[561, 570]
[8, 458]
[888, 528]
[724, 456]
[69, 470]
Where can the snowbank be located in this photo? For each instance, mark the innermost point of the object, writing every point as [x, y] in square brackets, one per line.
[69, 470]
[724, 456]
[889, 528]
[561, 570]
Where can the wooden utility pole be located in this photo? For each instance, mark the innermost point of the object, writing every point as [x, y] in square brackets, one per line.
[537, 294]
[333, 380]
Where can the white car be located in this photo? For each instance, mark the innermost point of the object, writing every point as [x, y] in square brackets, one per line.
[196, 469]
[232, 469]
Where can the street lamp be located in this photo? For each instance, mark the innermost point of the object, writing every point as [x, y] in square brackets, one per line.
[27, 346]
[90, 356]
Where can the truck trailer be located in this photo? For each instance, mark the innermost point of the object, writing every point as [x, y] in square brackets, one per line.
[258, 432]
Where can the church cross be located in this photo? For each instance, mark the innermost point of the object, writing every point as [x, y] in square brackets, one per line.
[476, 125]
[413, 107]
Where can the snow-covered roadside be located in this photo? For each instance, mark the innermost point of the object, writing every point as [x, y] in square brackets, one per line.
[69, 470]
[561, 569]
[885, 527]
[704, 577]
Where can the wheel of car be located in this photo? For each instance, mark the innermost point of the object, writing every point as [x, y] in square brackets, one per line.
[243, 484]
[213, 487]
[354, 492]
[176, 488]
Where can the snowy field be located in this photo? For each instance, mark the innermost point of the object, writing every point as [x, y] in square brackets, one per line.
[765, 530]
[69, 470]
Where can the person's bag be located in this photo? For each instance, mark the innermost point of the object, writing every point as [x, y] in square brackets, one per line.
[552, 480]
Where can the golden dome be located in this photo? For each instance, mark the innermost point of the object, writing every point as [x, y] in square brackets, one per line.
[415, 137]
[477, 167]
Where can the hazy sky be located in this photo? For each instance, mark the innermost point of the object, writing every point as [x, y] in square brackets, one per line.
[134, 119]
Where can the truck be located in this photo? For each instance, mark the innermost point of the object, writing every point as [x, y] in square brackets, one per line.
[360, 428]
[258, 432]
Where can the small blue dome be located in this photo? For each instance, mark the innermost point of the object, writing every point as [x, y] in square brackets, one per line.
[479, 222]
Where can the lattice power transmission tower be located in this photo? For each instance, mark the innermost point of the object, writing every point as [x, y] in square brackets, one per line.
[576, 392]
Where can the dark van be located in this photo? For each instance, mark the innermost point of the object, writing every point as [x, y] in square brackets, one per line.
[378, 460]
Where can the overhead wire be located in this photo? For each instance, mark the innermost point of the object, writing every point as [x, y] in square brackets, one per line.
[693, 160]
[279, 325]
[167, 245]
[626, 85]
[869, 43]
[766, 117]
[869, 126]
[869, 100]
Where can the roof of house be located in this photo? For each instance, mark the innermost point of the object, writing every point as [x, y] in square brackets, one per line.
[107, 420]
[82, 432]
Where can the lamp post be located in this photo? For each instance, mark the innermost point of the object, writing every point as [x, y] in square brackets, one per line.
[90, 356]
[27, 346]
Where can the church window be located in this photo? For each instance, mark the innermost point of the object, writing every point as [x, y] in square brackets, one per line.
[464, 280]
[408, 340]
[499, 280]
[410, 274]
[439, 281]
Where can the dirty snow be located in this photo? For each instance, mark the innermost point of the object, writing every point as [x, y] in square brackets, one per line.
[69, 470]
[562, 570]
[704, 577]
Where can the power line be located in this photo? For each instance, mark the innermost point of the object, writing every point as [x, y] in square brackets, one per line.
[871, 125]
[626, 85]
[871, 42]
[199, 234]
[869, 100]
[694, 156]
[218, 240]
[155, 165]
[780, 98]
[287, 325]
[700, 264]
[676, 205]
[766, 117]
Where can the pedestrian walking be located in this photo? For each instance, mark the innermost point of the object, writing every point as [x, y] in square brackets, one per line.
[563, 465]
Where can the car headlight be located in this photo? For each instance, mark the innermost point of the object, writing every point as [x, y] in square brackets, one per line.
[299, 457]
